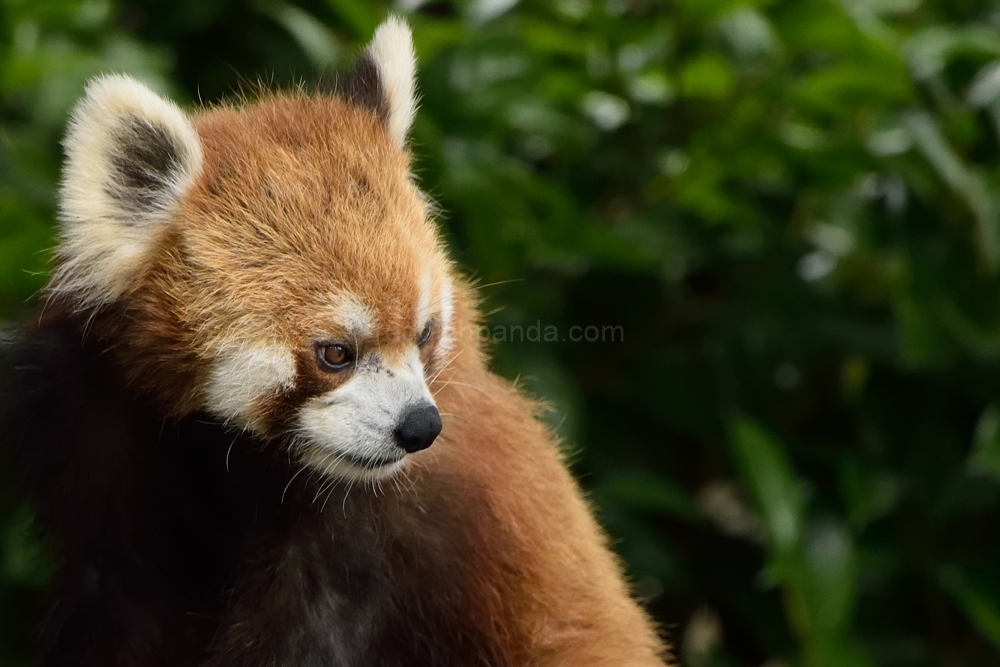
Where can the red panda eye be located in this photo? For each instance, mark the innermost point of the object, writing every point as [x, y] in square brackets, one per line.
[334, 356]
[425, 335]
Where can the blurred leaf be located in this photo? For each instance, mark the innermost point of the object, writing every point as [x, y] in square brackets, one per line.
[869, 495]
[767, 474]
[921, 341]
[24, 560]
[839, 88]
[985, 456]
[930, 50]
[362, 18]
[642, 491]
[980, 602]
[708, 75]
[318, 41]
[964, 182]
[829, 587]
[749, 33]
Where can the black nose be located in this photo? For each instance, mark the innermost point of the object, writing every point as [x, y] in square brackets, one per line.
[418, 428]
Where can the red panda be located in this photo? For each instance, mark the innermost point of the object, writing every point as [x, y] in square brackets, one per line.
[256, 419]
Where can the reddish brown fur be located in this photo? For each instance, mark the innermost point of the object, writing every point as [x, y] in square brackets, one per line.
[302, 198]
[286, 212]
[562, 591]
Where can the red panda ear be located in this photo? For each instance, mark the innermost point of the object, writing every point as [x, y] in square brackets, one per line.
[130, 156]
[383, 80]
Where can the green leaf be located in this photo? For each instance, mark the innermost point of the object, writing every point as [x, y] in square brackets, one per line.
[315, 39]
[24, 559]
[836, 651]
[869, 495]
[646, 492]
[769, 476]
[979, 602]
[362, 18]
[708, 75]
[965, 182]
[985, 456]
[920, 337]
[929, 51]
[829, 585]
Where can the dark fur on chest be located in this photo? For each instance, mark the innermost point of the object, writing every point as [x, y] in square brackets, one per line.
[183, 543]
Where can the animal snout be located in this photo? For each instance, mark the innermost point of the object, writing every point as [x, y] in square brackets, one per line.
[418, 428]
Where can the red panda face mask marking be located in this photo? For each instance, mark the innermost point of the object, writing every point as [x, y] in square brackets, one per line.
[367, 426]
[273, 266]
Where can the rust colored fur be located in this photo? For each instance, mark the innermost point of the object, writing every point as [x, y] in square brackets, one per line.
[539, 574]
[276, 176]
[480, 551]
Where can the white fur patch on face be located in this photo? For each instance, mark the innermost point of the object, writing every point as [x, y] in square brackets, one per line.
[130, 155]
[447, 306]
[392, 51]
[354, 316]
[424, 301]
[349, 431]
[242, 376]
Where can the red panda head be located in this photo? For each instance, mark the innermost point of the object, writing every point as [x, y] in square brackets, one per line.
[272, 265]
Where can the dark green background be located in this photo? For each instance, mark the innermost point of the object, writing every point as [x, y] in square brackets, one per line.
[791, 208]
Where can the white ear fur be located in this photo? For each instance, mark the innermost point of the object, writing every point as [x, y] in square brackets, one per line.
[130, 155]
[391, 50]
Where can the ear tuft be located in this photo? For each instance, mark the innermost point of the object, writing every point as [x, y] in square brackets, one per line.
[391, 51]
[130, 156]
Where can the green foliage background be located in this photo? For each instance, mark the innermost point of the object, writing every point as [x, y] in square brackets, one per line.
[791, 208]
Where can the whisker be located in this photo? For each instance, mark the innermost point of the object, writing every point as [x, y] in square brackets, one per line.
[445, 366]
[470, 386]
[444, 383]
[343, 506]
[501, 282]
[299, 472]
